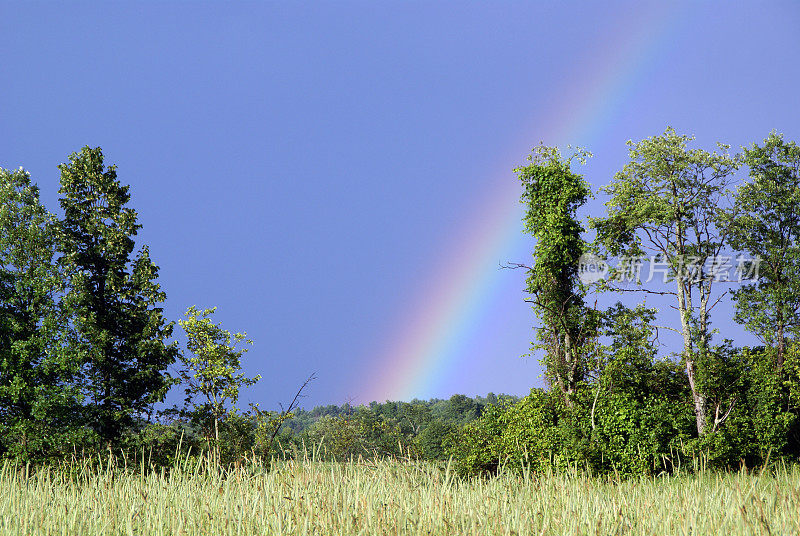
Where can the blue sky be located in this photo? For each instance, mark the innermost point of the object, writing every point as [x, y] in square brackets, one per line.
[302, 166]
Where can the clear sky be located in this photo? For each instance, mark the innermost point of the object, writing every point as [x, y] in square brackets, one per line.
[336, 177]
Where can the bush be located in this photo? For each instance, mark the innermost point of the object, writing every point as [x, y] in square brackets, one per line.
[362, 434]
[628, 428]
[512, 434]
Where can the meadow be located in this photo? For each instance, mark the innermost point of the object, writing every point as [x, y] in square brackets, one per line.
[388, 497]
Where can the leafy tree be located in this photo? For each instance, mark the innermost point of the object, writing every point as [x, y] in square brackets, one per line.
[213, 370]
[37, 400]
[113, 299]
[765, 425]
[490, 398]
[766, 224]
[667, 202]
[552, 194]
[414, 417]
[431, 440]
[525, 432]
[461, 409]
[364, 433]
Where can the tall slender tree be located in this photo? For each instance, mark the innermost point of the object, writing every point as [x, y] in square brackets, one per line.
[552, 193]
[121, 333]
[667, 202]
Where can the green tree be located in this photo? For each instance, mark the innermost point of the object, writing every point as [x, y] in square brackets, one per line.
[766, 225]
[414, 416]
[37, 399]
[113, 299]
[552, 194]
[363, 433]
[213, 370]
[667, 202]
[638, 402]
[625, 364]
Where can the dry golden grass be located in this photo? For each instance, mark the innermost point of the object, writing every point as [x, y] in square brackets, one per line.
[385, 497]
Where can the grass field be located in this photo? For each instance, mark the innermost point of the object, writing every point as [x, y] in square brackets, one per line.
[383, 497]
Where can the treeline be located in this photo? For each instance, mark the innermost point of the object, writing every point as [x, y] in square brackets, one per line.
[85, 350]
[456, 410]
[683, 227]
[417, 430]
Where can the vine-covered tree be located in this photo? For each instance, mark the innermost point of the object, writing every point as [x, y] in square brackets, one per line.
[121, 333]
[552, 193]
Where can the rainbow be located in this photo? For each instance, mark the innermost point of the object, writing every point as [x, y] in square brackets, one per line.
[426, 346]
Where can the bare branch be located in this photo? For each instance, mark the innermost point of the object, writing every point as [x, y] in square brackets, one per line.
[514, 266]
[717, 301]
[718, 421]
[645, 290]
[292, 406]
[669, 328]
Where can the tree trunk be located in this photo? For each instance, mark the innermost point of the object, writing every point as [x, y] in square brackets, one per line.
[571, 361]
[700, 401]
[781, 339]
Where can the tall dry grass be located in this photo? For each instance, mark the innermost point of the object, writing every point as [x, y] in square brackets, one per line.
[386, 497]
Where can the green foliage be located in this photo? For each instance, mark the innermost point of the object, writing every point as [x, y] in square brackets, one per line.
[633, 416]
[38, 400]
[627, 361]
[430, 442]
[120, 333]
[666, 191]
[160, 444]
[534, 433]
[362, 434]
[540, 433]
[237, 438]
[458, 409]
[213, 367]
[552, 193]
[629, 418]
[84, 346]
[765, 223]
[668, 202]
[473, 447]
[418, 429]
[636, 403]
[763, 424]
[637, 433]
